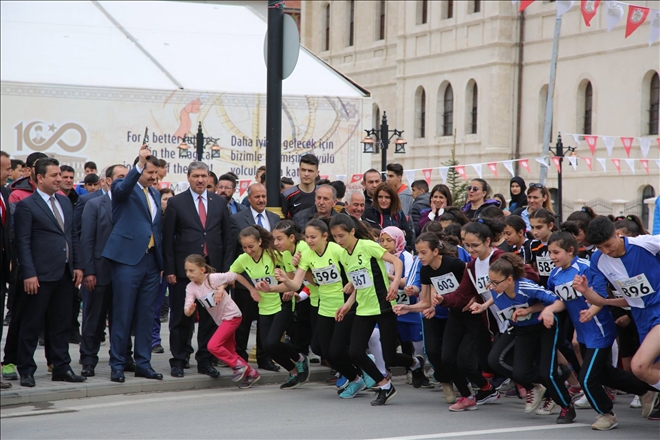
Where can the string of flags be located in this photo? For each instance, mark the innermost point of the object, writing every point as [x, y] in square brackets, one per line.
[614, 10]
[626, 141]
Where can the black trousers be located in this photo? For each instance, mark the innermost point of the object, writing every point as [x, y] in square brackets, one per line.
[334, 339]
[301, 329]
[181, 327]
[598, 371]
[460, 358]
[434, 331]
[314, 343]
[272, 330]
[565, 342]
[500, 358]
[363, 326]
[53, 301]
[250, 311]
[96, 305]
[75, 311]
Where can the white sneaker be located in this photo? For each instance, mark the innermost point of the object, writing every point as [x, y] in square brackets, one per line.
[547, 407]
[582, 403]
[409, 377]
[635, 402]
[448, 390]
[534, 398]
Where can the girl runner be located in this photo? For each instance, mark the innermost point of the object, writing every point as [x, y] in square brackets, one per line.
[515, 234]
[577, 223]
[260, 261]
[207, 287]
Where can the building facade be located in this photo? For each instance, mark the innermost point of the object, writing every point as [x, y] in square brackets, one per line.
[473, 76]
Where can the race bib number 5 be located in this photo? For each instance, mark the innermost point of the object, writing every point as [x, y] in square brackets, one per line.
[360, 279]
[271, 280]
[444, 284]
[482, 285]
[326, 275]
[635, 287]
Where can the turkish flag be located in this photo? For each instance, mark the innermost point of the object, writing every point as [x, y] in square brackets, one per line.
[524, 4]
[617, 164]
[243, 186]
[587, 160]
[427, 175]
[493, 168]
[525, 165]
[645, 164]
[636, 16]
[589, 8]
[627, 144]
[591, 141]
[557, 161]
[164, 184]
[460, 169]
[356, 178]
[325, 176]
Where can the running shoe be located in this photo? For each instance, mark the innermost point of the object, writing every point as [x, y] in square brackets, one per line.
[9, 372]
[655, 415]
[426, 383]
[303, 369]
[605, 422]
[448, 390]
[648, 400]
[369, 383]
[384, 396]
[506, 386]
[353, 388]
[464, 404]
[636, 403]
[566, 416]
[547, 408]
[418, 373]
[575, 393]
[582, 403]
[487, 396]
[239, 373]
[250, 379]
[291, 383]
[534, 398]
[341, 382]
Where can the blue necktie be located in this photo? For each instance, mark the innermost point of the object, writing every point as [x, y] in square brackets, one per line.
[259, 222]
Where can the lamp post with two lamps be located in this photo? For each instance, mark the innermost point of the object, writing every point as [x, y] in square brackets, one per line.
[560, 152]
[199, 144]
[382, 141]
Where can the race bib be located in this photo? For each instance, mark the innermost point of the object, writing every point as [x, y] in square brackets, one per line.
[326, 275]
[361, 279]
[207, 301]
[507, 314]
[567, 292]
[271, 280]
[635, 287]
[482, 285]
[544, 265]
[402, 298]
[444, 284]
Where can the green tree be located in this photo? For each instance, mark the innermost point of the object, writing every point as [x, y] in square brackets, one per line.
[455, 182]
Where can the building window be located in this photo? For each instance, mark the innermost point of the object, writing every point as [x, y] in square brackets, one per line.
[448, 9]
[420, 113]
[475, 6]
[588, 99]
[351, 22]
[422, 11]
[326, 20]
[473, 113]
[381, 23]
[376, 115]
[653, 104]
[448, 112]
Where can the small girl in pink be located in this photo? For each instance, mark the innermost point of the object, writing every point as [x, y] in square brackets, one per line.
[207, 288]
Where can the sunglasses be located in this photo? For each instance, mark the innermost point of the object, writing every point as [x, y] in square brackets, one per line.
[535, 185]
[473, 188]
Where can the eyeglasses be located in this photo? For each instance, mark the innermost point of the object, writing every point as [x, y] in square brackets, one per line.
[472, 245]
[535, 185]
[473, 188]
[496, 283]
[225, 187]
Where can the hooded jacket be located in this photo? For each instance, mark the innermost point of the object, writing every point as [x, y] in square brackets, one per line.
[519, 200]
[20, 189]
[488, 202]
[406, 197]
[421, 204]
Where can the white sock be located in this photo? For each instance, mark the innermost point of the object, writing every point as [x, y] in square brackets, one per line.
[656, 386]
[416, 365]
[387, 386]
[302, 358]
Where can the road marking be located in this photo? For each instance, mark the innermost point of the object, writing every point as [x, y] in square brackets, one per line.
[484, 432]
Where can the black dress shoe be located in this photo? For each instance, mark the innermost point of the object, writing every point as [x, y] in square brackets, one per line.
[69, 376]
[177, 372]
[209, 371]
[27, 381]
[130, 367]
[149, 373]
[87, 371]
[270, 366]
[158, 349]
[117, 376]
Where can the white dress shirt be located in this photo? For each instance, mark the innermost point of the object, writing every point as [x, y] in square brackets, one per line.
[264, 219]
[205, 201]
[152, 202]
[46, 198]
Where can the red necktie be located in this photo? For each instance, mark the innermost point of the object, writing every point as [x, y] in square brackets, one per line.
[202, 217]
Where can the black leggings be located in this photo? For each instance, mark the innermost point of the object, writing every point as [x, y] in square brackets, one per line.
[434, 330]
[565, 343]
[460, 358]
[500, 358]
[334, 337]
[314, 344]
[363, 326]
[272, 330]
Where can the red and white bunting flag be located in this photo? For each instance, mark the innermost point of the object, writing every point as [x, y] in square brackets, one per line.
[493, 168]
[645, 164]
[243, 185]
[654, 31]
[524, 4]
[477, 169]
[427, 175]
[589, 8]
[355, 178]
[576, 138]
[614, 14]
[587, 160]
[443, 173]
[410, 176]
[617, 164]
[573, 161]
[563, 6]
[460, 169]
[525, 165]
[645, 146]
[165, 184]
[325, 176]
[591, 141]
[602, 163]
[557, 161]
[508, 164]
[609, 143]
[636, 16]
[631, 164]
[341, 177]
[627, 144]
[542, 161]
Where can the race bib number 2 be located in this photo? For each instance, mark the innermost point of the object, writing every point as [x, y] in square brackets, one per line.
[635, 287]
[360, 279]
[402, 298]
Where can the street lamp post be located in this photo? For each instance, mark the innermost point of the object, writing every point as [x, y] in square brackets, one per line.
[382, 141]
[561, 153]
[200, 143]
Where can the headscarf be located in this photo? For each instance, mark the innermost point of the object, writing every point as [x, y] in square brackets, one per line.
[398, 237]
[519, 200]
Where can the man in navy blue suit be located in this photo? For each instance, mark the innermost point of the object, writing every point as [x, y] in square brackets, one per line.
[135, 251]
[50, 264]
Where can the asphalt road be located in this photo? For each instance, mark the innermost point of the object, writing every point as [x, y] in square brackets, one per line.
[310, 412]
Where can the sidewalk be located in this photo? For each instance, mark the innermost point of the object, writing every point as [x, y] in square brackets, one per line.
[100, 385]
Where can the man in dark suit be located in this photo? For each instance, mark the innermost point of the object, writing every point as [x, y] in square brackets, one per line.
[5, 232]
[134, 249]
[196, 222]
[97, 272]
[226, 188]
[50, 262]
[256, 214]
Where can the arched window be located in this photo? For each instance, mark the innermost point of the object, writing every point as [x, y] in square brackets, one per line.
[448, 111]
[588, 99]
[420, 112]
[422, 11]
[381, 21]
[475, 6]
[376, 117]
[351, 22]
[326, 27]
[654, 99]
[447, 9]
[473, 94]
